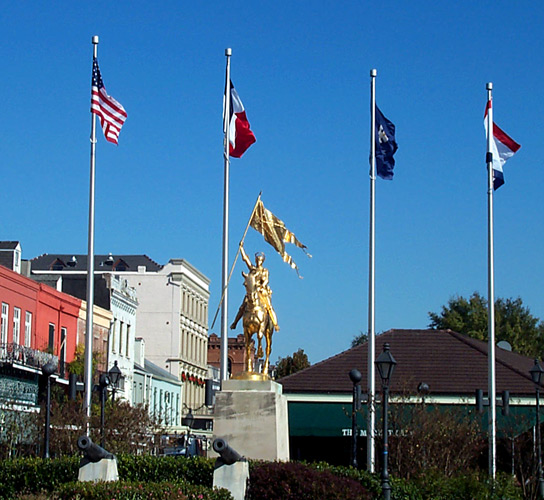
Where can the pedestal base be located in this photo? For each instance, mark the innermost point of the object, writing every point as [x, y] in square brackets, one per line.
[234, 478]
[252, 417]
[104, 470]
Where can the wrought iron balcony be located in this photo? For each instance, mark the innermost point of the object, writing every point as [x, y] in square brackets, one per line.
[16, 354]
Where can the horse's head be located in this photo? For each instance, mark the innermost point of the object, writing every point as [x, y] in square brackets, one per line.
[250, 284]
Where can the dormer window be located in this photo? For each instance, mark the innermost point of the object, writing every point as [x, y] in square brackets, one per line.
[120, 265]
[57, 265]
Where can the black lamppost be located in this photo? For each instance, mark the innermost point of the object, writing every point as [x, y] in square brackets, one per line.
[386, 366]
[48, 369]
[423, 389]
[103, 383]
[115, 376]
[189, 420]
[536, 375]
[355, 376]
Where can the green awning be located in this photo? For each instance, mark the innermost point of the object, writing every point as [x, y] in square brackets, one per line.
[334, 419]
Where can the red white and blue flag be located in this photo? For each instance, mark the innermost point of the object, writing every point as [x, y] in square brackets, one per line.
[503, 147]
[240, 134]
[111, 113]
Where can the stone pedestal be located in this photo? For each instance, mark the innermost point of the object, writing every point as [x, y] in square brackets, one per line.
[252, 417]
[103, 470]
[234, 478]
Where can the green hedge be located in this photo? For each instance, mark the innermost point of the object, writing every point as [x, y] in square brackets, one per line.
[432, 485]
[129, 490]
[195, 470]
[35, 475]
[32, 475]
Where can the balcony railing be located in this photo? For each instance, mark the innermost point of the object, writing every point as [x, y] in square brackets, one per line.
[20, 355]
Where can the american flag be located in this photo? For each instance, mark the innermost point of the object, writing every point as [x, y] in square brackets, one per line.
[111, 113]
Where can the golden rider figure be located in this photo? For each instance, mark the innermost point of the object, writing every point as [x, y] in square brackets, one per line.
[265, 293]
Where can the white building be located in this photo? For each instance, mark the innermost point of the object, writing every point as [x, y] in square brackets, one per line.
[172, 312]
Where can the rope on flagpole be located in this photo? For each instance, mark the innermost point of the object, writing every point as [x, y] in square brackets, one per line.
[235, 259]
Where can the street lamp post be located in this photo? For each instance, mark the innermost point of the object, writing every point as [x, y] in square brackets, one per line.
[115, 376]
[386, 366]
[189, 420]
[48, 369]
[104, 381]
[536, 375]
[355, 376]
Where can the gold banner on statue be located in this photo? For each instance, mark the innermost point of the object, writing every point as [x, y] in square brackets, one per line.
[274, 232]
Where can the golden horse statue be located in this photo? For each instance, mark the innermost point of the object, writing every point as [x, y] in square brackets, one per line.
[258, 316]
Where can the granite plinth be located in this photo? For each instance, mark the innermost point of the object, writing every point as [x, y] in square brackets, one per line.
[103, 470]
[252, 417]
[234, 478]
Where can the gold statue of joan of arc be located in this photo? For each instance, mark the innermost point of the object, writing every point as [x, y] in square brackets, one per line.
[256, 310]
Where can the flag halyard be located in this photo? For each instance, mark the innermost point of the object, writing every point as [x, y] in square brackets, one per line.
[111, 113]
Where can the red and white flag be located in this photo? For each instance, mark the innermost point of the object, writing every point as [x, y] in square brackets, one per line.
[111, 113]
[503, 147]
[240, 135]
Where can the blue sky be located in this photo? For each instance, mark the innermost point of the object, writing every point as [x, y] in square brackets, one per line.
[302, 72]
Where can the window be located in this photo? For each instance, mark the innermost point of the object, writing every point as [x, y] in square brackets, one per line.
[127, 343]
[51, 343]
[16, 325]
[62, 360]
[28, 328]
[114, 336]
[120, 337]
[4, 323]
[17, 261]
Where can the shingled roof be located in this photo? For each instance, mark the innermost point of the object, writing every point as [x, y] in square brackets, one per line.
[449, 362]
[64, 262]
[8, 245]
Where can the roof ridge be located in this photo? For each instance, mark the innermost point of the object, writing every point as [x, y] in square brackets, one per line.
[472, 342]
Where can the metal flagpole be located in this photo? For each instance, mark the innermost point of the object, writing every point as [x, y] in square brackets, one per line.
[224, 306]
[371, 420]
[235, 259]
[90, 269]
[491, 291]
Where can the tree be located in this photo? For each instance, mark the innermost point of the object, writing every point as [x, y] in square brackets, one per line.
[513, 322]
[359, 339]
[292, 364]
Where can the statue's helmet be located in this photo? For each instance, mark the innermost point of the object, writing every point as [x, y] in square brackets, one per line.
[259, 258]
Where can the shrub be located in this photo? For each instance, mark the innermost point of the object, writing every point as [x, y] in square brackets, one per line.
[435, 485]
[128, 490]
[35, 474]
[297, 481]
[32, 475]
[195, 470]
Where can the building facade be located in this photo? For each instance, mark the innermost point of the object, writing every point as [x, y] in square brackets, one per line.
[452, 367]
[157, 389]
[236, 356]
[172, 312]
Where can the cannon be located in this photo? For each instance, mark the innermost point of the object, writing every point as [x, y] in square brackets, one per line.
[92, 453]
[227, 455]
[234, 477]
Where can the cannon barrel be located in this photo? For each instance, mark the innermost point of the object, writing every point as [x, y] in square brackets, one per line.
[228, 455]
[91, 451]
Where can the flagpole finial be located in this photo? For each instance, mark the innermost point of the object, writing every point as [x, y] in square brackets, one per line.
[489, 86]
[373, 72]
[228, 52]
[95, 40]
